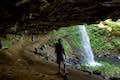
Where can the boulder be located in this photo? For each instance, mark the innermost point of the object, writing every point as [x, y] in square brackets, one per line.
[97, 73]
[118, 57]
[114, 78]
[88, 71]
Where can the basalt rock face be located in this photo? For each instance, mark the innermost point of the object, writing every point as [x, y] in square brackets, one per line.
[45, 15]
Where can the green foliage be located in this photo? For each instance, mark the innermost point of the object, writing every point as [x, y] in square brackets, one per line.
[70, 36]
[106, 69]
[101, 39]
[67, 47]
[116, 42]
[109, 69]
[114, 24]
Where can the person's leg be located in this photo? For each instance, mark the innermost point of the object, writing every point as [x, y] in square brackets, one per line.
[63, 61]
[59, 67]
[64, 67]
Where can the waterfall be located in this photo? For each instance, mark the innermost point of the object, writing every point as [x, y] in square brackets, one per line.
[88, 54]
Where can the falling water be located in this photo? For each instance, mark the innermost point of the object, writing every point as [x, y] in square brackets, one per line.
[88, 54]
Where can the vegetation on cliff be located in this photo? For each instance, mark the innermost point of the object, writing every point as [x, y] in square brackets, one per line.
[101, 39]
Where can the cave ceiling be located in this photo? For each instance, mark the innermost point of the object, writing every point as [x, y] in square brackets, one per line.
[47, 14]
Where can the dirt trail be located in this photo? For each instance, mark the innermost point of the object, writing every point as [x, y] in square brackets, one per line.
[23, 64]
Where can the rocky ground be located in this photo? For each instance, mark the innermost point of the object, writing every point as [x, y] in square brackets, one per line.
[21, 63]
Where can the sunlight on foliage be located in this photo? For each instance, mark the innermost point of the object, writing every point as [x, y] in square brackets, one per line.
[101, 40]
[114, 24]
[106, 69]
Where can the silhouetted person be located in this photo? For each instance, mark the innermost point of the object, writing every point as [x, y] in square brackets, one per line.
[60, 54]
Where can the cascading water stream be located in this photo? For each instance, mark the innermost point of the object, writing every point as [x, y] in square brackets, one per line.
[88, 54]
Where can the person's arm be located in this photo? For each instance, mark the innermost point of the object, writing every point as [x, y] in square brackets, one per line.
[63, 50]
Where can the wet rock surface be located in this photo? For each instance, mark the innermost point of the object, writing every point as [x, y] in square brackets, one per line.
[29, 66]
[108, 56]
[114, 78]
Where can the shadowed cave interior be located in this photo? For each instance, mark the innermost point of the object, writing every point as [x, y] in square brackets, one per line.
[89, 30]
